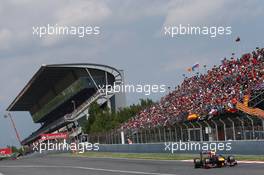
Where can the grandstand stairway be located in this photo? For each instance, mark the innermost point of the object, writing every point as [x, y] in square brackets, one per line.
[100, 94]
[250, 106]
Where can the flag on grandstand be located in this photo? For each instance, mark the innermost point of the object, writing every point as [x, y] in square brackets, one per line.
[237, 39]
[195, 66]
[190, 69]
[231, 107]
[192, 117]
[213, 111]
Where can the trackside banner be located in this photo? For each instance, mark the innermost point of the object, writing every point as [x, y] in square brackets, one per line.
[6, 151]
[54, 136]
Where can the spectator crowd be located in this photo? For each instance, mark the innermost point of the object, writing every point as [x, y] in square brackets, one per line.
[205, 95]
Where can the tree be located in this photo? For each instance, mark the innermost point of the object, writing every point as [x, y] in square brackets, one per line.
[102, 120]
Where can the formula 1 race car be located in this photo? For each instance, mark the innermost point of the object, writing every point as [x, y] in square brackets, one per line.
[208, 159]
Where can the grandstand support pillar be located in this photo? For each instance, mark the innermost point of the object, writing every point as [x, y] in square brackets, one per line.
[201, 131]
[253, 128]
[107, 97]
[90, 75]
[216, 129]
[243, 128]
[233, 128]
[224, 128]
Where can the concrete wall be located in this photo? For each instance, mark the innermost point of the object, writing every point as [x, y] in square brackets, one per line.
[231, 147]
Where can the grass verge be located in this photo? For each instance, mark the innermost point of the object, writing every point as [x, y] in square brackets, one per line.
[158, 156]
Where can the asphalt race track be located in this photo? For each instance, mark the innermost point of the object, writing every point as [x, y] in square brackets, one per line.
[56, 165]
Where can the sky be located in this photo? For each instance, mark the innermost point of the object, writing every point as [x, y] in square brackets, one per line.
[131, 38]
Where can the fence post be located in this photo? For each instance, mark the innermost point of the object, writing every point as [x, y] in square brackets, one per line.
[116, 138]
[262, 128]
[209, 130]
[146, 139]
[243, 128]
[188, 133]
[201, 131]
[164, 134]
[155, 135]
[170, 134]
[194, 128]
[233, 128]
[216, 129]
[262, 124]
[141, 141]
[253, 128]
[262, 135]
[181, 133]
[176, 135]
[224, 127]
[112, 137]
[159, 135]
[137, 137]
[106, 138]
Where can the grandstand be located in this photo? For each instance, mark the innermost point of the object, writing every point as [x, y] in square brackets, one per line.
[226, 103]
[58, 96]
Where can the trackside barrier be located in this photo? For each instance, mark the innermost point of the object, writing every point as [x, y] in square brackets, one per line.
[237, 147]
[236, 127]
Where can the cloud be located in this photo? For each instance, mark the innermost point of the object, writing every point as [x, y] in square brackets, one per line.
[5, 39]
[88, 12]
[40, 13]
[131, 10]
[192, 11]
[196, 12]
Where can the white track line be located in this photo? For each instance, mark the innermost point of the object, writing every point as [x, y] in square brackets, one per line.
[83, 168]
[251, 162]
[189, 160]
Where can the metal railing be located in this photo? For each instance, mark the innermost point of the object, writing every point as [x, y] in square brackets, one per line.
[228, 128]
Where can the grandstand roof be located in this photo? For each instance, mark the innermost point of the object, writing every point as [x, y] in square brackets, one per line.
[45, 79]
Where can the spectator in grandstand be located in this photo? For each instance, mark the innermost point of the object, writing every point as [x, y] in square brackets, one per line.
[207, 94]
